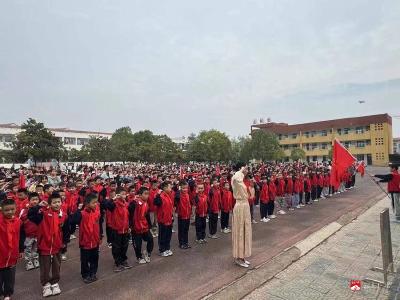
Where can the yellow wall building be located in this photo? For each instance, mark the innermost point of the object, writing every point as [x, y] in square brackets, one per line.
[368, 138]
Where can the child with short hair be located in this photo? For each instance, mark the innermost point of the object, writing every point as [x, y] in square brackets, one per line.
[264, 199]
[88, 218]
[165, 204]
[214, 207]
[226, 207]
[52, 226]
[120, 216]
[139, 219]
[31, 231]
[200, 201]
[11, 246]
[184, 210]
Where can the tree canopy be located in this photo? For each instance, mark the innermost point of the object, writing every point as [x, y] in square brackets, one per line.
[37, 143]
[211, 145]
[297, 153]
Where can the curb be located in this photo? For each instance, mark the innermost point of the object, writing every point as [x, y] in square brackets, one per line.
[264, 272]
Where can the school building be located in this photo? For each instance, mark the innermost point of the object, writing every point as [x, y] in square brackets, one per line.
[368, 138]
[72, 139]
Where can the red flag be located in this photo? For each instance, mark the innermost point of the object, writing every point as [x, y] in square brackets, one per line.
[341, 161]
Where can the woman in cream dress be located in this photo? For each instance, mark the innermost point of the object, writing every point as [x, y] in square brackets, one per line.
[241, 219]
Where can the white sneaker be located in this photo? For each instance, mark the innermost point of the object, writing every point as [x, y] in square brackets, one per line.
[254, 222]
[228, 230]
[173, 231]
[170, 252]
[316, 200]
[146, 256]
[29, 265]
[272, 216]
[56, 289]
[291, 208]
[142, 261]
[63, 257]
[247, 262]
[72, 237]
[47, 290]
[241, 263]
[298, 206]
[164, 254]
[302, 205]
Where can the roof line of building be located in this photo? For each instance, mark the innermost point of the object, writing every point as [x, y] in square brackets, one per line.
[13, 125]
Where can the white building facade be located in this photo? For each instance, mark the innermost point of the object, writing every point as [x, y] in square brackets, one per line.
[72, 139]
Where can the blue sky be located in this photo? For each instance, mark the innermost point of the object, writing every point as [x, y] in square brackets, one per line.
[178, 67]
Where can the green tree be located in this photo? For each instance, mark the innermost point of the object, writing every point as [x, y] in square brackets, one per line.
[241, 148]
[97, 149]
[297, 153]
[264, 146]
[211, 145]
[75, 155]
[36, 142]
[122, 145]
[6, 156]
[166, 150]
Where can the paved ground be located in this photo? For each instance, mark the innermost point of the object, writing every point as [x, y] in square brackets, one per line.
[203, 269]
[325, 272]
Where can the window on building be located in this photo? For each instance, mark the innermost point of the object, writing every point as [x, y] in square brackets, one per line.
[279, 136]
[367, 128]
[347, 144]
[324, 146]
[359, 130]
[324, 133]
[6, 138]
[294, 135]
[69, 141]
[285, 136]
[360, 144]
[285, 147]
[307, 134]
[313, 133]
[314, 146]
[346, 130]
[339, 131]
[378, 126]
[379, 156]
[306, 147]
[82, 141]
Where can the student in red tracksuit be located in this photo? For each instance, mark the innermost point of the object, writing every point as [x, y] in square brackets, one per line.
[52, 228]
[307, 188]
[31, 230]
[11, 246]
[226, 207]
[200, 201]
[272, 196]
[139, 219]
[264, 199]
[121, 231]
[214, 203]
[289, 193]
[184, 210]
[21, 200]
[88, 219]
[280, 193]
[165, 205]
[109, 219]
[314, 187]
[320, 186]
[154, 190]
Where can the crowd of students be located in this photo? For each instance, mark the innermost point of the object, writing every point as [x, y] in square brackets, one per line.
[42, 210]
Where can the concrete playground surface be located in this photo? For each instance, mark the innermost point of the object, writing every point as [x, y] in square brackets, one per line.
[207, 271]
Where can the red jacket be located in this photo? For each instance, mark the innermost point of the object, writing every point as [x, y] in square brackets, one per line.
[184, 207]
[272, 191]
[289, 186]
[226, 201]
[327, 180]
[139, 221]
[50, 235]
[89, 228]
[214, 200]
[152, 195]
[307, 185]
[120, 216]
[314, 181]
[264, 193]
[72, 200]
[9, 241]
[320, 181]
[394, 184]
[164, 212]
[298, 186]
[201, 204]
[30, 228]
[280, 187]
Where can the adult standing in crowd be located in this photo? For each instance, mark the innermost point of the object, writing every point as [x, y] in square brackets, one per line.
[241, 218]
